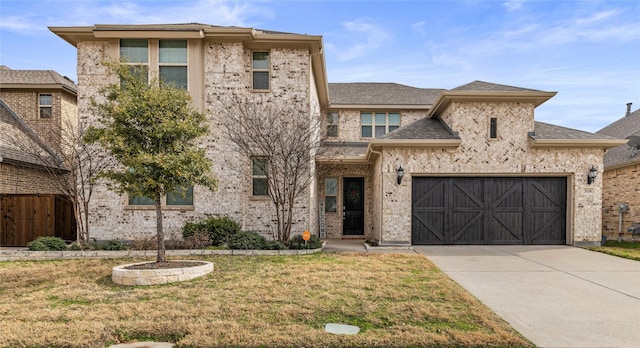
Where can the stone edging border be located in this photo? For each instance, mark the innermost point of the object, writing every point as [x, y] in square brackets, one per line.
[123, 276]
[25, 255]
[387, 247]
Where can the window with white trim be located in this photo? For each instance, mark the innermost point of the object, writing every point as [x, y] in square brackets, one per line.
[181, 196]
[45, 104]
[135, 53]
[332, 124]
[261, 70]
[379, 123]
[259, 181]
[330, 195]
[172, 62]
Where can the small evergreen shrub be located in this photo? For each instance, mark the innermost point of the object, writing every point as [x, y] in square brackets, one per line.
[219, 229]
[298, 243]
[47, 244]
[247, 240]
[274, 245]
[113, 245]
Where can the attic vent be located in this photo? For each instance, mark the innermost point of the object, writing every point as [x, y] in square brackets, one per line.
[629, 109]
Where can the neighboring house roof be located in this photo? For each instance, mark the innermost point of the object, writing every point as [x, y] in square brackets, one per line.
[38, 79]
[17, 137]
[549, 135]
[623, 128]
[488, 86]
[372, 94]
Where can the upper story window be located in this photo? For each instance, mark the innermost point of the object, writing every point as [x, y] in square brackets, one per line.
[260, 183]
[261, 69]
[135, 52]
[172, 61]
[45, 103]
[332, 124]
[493, 128]
[379, 123]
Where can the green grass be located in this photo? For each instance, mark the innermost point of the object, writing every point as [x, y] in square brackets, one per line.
[627, 250]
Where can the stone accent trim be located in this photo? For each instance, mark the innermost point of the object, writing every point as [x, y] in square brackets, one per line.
[123, 276]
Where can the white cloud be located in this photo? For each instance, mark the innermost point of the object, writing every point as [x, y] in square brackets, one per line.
[513, 5]
[419, 27]
[367, 36]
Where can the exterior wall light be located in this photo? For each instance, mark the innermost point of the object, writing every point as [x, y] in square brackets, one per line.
[400, 174]
[591, 176]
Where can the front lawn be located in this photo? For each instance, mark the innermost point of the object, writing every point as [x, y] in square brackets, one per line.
[628, 250]
[271, 301]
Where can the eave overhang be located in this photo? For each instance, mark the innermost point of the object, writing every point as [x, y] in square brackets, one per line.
[632, 162]
[447, 97]
[381, 107]
[49, 86]
[583, 143]
[376, 144]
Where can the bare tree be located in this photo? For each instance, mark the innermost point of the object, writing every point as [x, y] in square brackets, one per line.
[70, 162]
[287, 135]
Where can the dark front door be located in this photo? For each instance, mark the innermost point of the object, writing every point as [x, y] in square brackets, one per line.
[489, 210]
[353, 207]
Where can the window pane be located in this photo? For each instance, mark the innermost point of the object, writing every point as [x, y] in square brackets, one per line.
[46, 99]
[366, 131]
[260, 166]
[330, 205]
[331, 186]
[493, 128]
[180, 196]
[380, 130]
[260, 186]
[134, 50]
[332, 118]
[176, 75]
[332, 131]
[365, 118]
[261, 60]
[381, 118]
[138, 200]
[394, 119]
[140, 71]
[392, 128]
[173, 51]
[45, 112]
[260, 80]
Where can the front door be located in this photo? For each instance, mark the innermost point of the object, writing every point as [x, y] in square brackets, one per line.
[353, 207]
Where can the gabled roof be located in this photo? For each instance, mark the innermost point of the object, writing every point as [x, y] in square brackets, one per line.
[15, 135]
[622, 128]
[425, 128]
[380, 95]
[38, 79]
[548, 135]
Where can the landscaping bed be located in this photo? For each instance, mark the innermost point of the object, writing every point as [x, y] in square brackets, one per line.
[257, 301]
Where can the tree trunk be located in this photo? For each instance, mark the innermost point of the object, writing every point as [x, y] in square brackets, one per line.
[159, 230]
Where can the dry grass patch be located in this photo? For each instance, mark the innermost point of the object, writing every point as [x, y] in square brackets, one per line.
[275, 301]
[628, 250]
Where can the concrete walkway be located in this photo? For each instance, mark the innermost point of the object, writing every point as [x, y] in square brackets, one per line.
[556, 296]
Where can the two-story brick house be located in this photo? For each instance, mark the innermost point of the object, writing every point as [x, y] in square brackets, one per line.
[34, 107]
[400, 165]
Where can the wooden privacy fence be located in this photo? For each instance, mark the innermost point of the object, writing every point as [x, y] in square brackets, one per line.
[24, 218]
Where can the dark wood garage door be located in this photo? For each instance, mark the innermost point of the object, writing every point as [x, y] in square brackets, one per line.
[489, 210]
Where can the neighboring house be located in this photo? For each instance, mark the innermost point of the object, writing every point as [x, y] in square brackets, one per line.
[622, 177]
[401, 165]
[30, 202]
[37, 107]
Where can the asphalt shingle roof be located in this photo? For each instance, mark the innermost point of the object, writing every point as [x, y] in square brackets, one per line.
[425, 128]
[491, 87]
[621, 129]
[550, 131]
[370, 93]
[34, 77]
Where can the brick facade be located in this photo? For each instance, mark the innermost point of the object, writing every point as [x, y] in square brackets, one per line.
[23, 180]
[620, 185]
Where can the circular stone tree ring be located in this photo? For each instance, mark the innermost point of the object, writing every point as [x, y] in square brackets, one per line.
[129, 275]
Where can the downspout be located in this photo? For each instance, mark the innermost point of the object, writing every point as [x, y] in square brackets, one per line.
[381, 192]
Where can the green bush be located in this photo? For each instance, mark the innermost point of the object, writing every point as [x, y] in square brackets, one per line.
[298, 243]
[113, 245]
[46, 244]
[219, 229]
[274, 245]
[247, 240]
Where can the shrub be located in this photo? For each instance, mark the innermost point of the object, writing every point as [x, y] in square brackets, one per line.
[219, 229]
[113, 245]
[46, 244]
[298, 243]
[246, 240]
[274, 245]
[198, 240]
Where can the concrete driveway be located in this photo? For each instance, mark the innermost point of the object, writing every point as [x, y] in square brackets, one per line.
[556, 296]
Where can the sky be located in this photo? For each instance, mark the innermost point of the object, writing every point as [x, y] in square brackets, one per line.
[587, 51]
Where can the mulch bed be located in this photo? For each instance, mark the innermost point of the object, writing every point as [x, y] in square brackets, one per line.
[165, 264]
